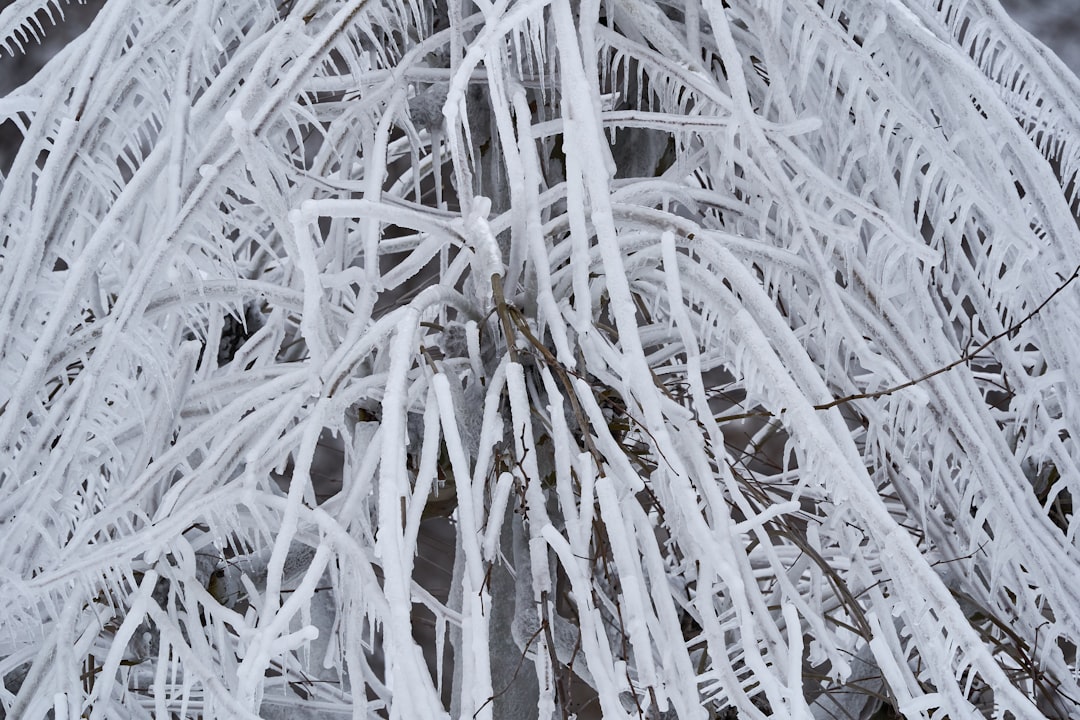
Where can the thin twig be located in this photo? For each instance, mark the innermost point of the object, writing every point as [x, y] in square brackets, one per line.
[513, 678]
[963, 359]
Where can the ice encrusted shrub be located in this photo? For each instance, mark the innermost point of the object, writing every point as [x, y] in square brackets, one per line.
[539, 358]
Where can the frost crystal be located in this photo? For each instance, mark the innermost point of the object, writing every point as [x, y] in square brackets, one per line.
[540, 359]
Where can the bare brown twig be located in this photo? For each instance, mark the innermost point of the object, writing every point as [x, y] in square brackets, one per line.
[963, 359]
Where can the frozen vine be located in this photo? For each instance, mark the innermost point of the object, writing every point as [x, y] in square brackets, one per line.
[620, 301]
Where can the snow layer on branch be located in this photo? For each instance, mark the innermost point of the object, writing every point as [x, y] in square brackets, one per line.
[690, 358]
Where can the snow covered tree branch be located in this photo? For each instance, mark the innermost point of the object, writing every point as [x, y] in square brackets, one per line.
[540, 358]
